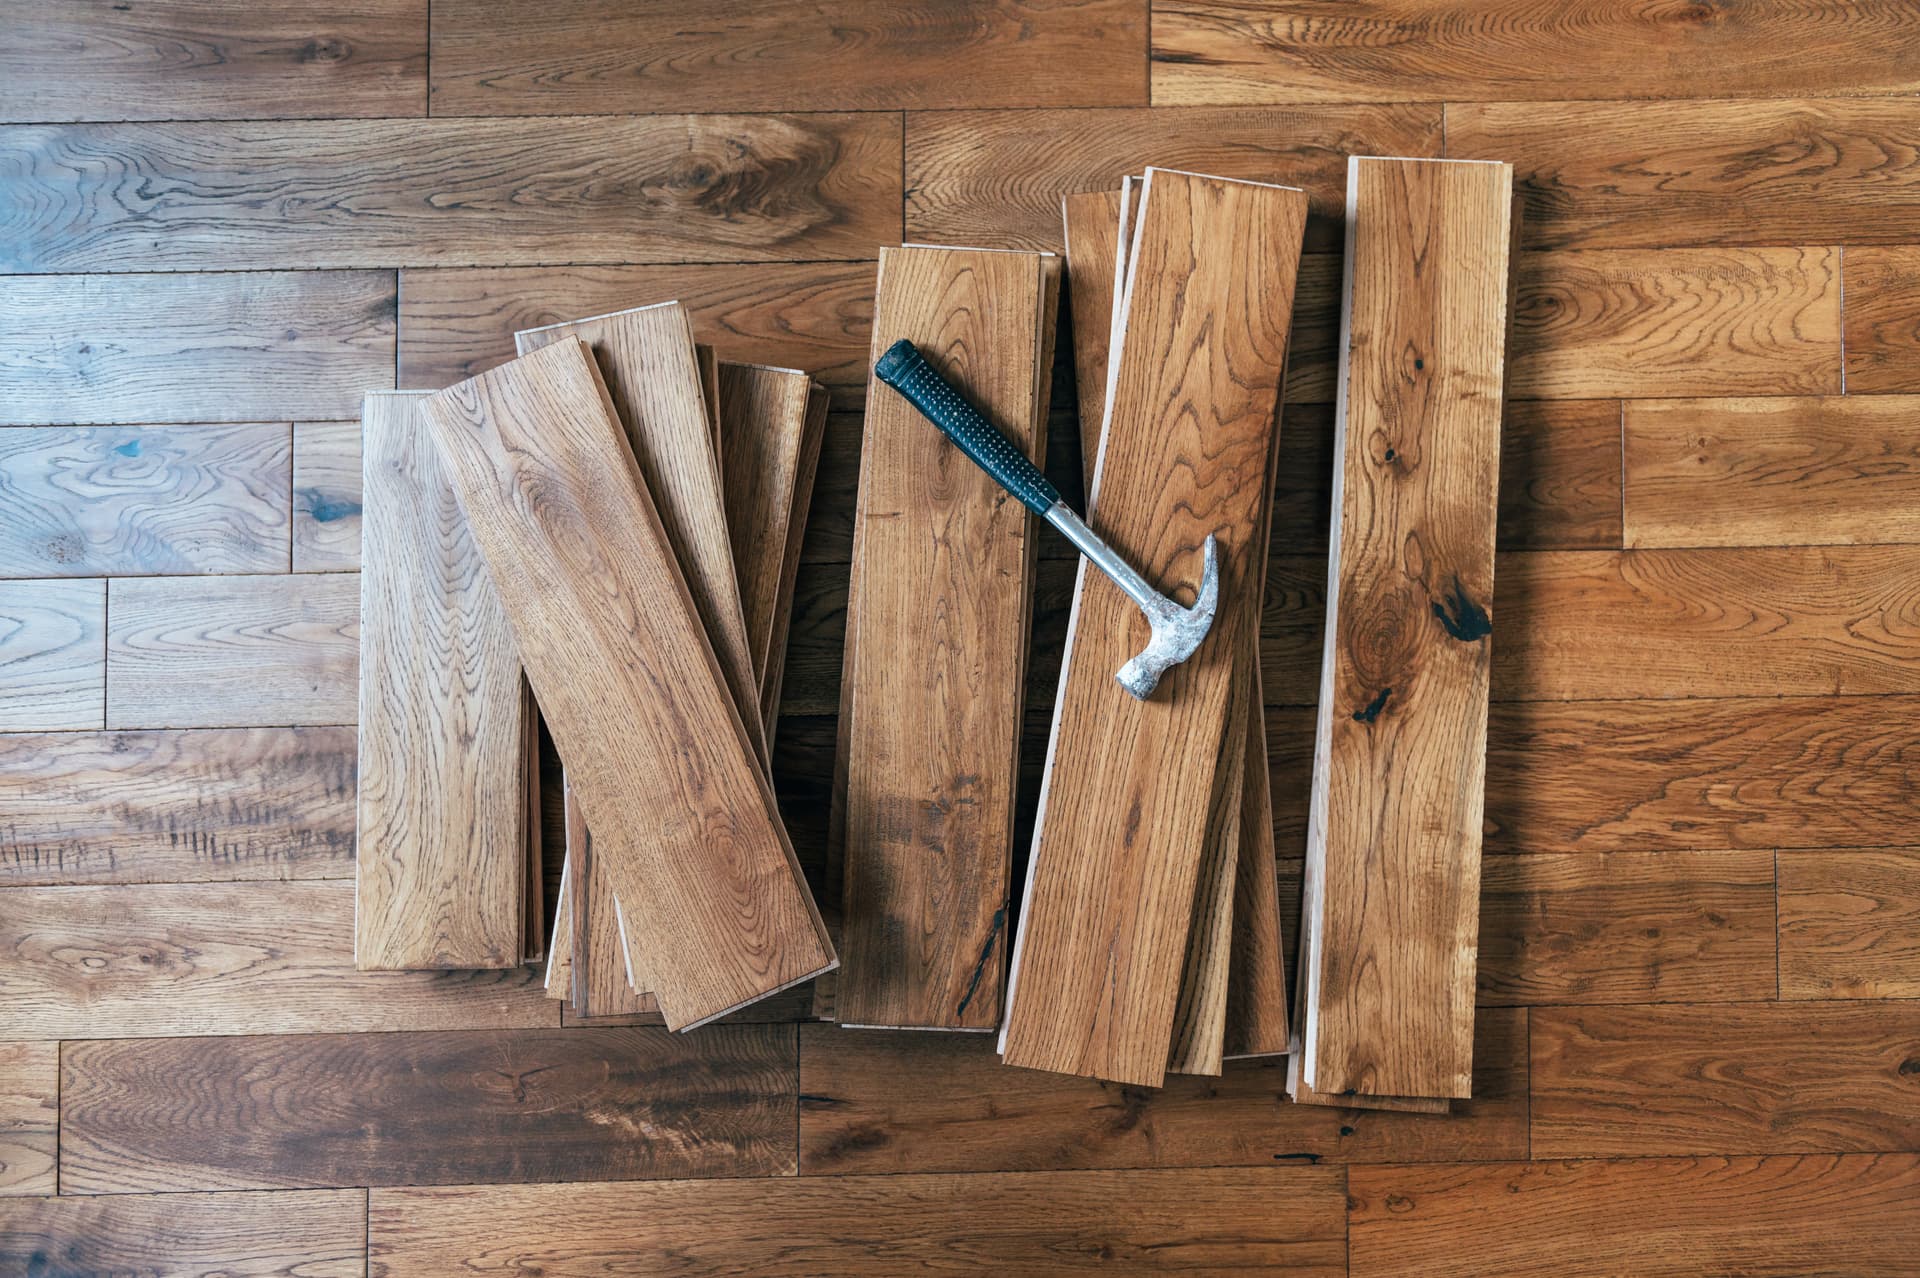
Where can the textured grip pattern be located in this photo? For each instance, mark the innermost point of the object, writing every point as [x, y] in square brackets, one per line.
[905, 369]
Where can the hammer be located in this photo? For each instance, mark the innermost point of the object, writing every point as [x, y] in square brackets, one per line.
[1177, 631]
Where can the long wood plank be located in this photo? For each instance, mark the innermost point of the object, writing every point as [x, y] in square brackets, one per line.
[29, 1117]
[1277, 1219]
[434, 1108]
[1848, 921]
[1393, 853]
[799, 518]
[1882, 336]
[1776, 1217]
[639, 712]
[604, 975]
[1119, 837]
[442, 815]
[326, 496]
[763, 439]
[317, 1234]
[53, 665]
[1090, 234]
[448, 192]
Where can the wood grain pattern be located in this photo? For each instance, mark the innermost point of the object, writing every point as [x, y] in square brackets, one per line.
[442, 816]
[213, 59]
[1230, 51]
[1090, 235]
[447, 192]
[440, 1108]
[604, 974]
[216, 652]
[53, 662]
[1560, 475]
[176, 807]
[813, 434]
[645, 727]
[1753, 1078]
[29, 1117]
[320, 1234]
[1882, 332]
[1020, 1225]
[588, 56]
[1393, 850]
[1118, 841]
[1660, 1217]
[1848, 923]
[326, 496]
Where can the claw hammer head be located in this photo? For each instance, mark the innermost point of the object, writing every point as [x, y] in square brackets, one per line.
[1177, 631]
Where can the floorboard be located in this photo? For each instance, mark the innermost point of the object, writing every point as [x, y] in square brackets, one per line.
[53, 668]
[29, 1118]
[1849, 920]
[326, 496]
[1882, 319]
[321, 1234]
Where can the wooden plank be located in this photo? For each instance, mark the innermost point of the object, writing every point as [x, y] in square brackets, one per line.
[1090, 233]
[1627, 927]
[213, 59]
[590, 56]
[53, 670]
[1882, 335]
[232, 651]
[1393, 856]
[326, 496]
[1256, 1020]
[1746, 1078]
[813, 433]
[96, 501]
[1273, 1219]
[1759, 621]
[448, 192]
[442, 816]
[1227, 51]
[1659, 1217]
[321, 1234]
[571, 570]
[432, 1108]
[1116, 851]
[1848, 923]
[1560, 475]
[29, 1117]
[176, 807]
[603, 967]
[229, 958]
[1772, 471]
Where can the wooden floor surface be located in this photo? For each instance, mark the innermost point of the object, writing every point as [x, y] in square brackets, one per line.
[1698, 1045]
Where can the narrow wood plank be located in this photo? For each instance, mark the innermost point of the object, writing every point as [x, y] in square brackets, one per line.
[813, 434]
[1227, 51]
[1090, 233]
[1882, 334]
[1778, 621]
[191, 348]
[1275, 1219]
[1848, 923]
[318, 1234]
[442, 816]
[586, 56]
[213, 59]
[434, 1108]
[326, 496]
[448, 192]
[576, 571]
[29, 1117]
[1117, 847]
[1751, 1078]
[1660, 1217]
[995, 178]
[233, 651]
[1393, 853]
[176, 807]
[53, 664]
[604, 975]
[1560, 475]
[95, 501]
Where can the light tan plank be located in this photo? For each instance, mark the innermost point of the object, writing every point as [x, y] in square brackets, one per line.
[29, 1117]
[326, 496]
[1090, 234]
[53, 654]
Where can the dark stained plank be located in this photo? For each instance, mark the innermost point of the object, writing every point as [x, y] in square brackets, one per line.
[96, 501]
[326, 496]
[53, 668]
[190, 348]
[1229, 51]
[321, 1110]
[1850, 923]
[176, 807]
[994, 179]
[1560, 475]
[1883, 319]
[1746, 622]
[1313, 355]
[1267, 1220]
[1610, 776]
[1778, 1217]
[212, 59]
[220, 651]
[700, 188]
[1655, 175]
[584, 56]
[318, 1234]
[229, 958]
[1627, 927]
[29, 1118]
[1750, 1078]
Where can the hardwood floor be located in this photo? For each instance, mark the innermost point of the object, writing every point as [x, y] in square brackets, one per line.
[223, 221]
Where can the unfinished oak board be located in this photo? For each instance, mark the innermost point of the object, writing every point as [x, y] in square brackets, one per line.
[443, 815]
[1393, 848]
[1190, 423]
[630, 689]
[1092, 234]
